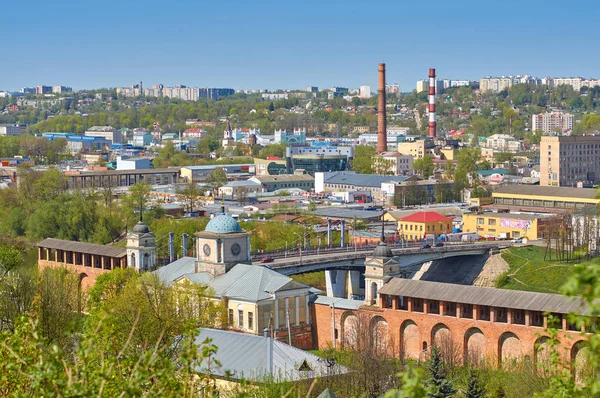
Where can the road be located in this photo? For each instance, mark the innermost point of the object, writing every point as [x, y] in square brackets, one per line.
[281, 261]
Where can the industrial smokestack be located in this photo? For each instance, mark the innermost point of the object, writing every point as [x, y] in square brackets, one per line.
[432, 122]
[381, 122]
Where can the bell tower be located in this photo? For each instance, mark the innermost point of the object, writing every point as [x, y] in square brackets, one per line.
[379, 268]
[141, 249]
[222, 245]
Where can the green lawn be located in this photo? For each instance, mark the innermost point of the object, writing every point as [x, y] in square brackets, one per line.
[314, 279]
[529, 271]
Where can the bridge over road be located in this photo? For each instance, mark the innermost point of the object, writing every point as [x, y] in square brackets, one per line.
[339, 263]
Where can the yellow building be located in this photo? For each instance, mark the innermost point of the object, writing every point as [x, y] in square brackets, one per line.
[504, 225]
[541, 198]
[416, 149]
[417, 225]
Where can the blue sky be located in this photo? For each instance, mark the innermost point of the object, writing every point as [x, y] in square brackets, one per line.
[291, 43]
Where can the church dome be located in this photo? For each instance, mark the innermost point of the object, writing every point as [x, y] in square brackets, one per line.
[383, 250]
[223, 224]
[140, 228]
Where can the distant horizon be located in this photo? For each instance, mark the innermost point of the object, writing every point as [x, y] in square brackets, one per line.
[302, 88]
[271, 45]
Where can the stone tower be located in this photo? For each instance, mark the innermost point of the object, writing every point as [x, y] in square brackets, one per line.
[141, 249]
[379, 268]
[222, 245]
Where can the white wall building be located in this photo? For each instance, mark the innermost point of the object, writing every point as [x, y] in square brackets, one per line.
[365, 91]
[551, 122]
[503, 142]
[106, 132]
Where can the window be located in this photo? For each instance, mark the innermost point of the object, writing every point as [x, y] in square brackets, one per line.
[417, 305]
[466, 311]
[518, 317]
[480, 221]
[492, 221]
[450, 309]
[433, 307]
[484, 313]
[250, 320]
[500, 315]
[240, 319]
[231, 317]
[302, 310]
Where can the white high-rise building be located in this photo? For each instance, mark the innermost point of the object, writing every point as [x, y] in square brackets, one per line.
[365, 91]
[552, 122]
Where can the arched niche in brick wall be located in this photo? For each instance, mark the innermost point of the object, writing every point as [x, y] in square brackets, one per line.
[580, 362]
[541, 356]
[510, 350]
[351, 330]
[410, 340]
[379, 335]
[474, 347]
[441, 336]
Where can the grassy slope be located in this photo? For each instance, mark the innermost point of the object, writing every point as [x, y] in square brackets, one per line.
[529, 271]
[314, 279]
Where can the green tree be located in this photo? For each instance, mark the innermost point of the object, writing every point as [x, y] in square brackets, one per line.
[190, 194]
[466, 169]
[30, 365]
[17, 291]
[10, 259]
[60, 302]
[217, 178]
[126, 305]
[502, 157]
[363, 159]
[474, 389]
[424, 166]
[382, 166]
[441, 387]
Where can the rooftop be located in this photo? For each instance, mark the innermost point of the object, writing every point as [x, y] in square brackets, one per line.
[348, 214]
[82, 247]
[537, 190]
[243, 282]
[518, 216]
[257, 358]
[362, 180]
[283, 178]
[425, 216]
[223, 224]
[487, 296]
[337, 302]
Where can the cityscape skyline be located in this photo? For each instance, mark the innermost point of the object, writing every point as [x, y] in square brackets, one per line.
[287, 46]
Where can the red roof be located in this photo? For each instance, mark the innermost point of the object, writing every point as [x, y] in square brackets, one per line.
[426, 216]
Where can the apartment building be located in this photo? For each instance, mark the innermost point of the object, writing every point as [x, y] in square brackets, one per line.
[401, 165]
[365, 91]
[570, 161]
[551, 122]
[503, 142]
[106, 132]
[417, 149]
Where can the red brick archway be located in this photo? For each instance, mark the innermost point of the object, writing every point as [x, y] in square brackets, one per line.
[410, 340]
[474, 347]
[510, 349]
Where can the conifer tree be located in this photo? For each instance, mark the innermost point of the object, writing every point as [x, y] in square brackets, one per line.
[474, 389]
[440, 386]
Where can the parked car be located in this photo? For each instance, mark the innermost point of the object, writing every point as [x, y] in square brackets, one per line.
[517, 240]
[267, 259]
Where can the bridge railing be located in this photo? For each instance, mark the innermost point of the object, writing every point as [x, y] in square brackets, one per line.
[296, 262]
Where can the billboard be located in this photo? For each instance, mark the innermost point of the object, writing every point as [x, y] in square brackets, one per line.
[515, 223]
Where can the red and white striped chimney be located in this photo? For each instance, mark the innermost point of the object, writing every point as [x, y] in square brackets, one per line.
[432, 122]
